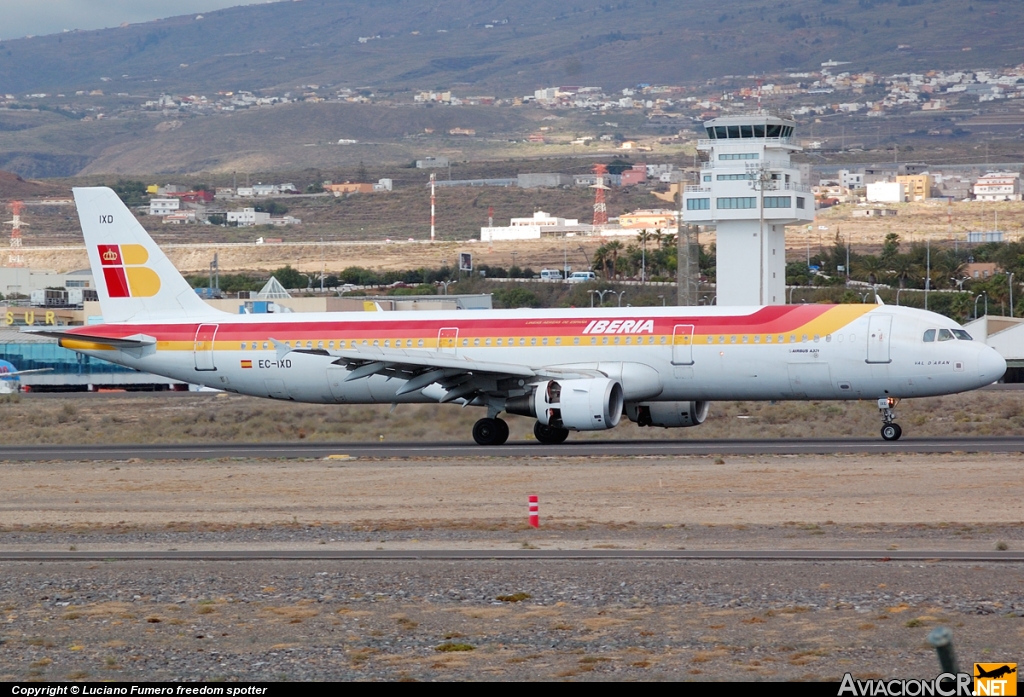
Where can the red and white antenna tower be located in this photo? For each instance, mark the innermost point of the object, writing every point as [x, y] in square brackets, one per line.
[432, 179]
[15, 258]
[600, 209]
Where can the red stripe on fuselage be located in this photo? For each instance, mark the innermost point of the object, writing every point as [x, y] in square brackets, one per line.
[767, 320]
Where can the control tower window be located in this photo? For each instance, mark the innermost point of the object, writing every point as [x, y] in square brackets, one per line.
[711, 132]
[759, 131]
[746, 131]
[774, 130]
[734, 131]
[720, 132]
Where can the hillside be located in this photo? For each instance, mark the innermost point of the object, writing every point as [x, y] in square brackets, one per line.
[506, 47]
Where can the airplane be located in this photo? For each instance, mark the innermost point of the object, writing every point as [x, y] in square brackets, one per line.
[570, 369]
[9, 381]
[994, 673]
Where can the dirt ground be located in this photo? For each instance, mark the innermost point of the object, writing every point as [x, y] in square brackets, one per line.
[641, 493]
[490, 619]
[913, 222]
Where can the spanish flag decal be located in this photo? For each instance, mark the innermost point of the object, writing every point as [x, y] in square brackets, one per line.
[246, 364]
[124, 273]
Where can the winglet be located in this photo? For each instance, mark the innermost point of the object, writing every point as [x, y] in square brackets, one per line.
[878, 299]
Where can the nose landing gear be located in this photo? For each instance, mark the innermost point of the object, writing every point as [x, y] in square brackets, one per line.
[890, 429]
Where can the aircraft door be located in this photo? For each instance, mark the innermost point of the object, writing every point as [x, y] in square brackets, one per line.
[879, 333]
[682, 344]
[447, 339]
[202, 347]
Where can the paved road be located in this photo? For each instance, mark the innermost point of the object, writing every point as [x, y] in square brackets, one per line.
[517, 554]
[588, 448]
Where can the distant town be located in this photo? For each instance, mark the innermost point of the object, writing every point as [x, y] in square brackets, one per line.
[830, 90]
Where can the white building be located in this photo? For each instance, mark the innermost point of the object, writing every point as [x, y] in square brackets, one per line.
[534, 227]
[164, 206]
[998, 186]
[247, 217]
[885, 192]
[749, 191]
[851, 180]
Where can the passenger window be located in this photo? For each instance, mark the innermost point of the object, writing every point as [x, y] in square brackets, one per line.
[593, 340]
[476, 342]
[420, 342]
[558, 341]
[499, 342]
[929, 335]
[945, 335]
[264, 345]
[732, 339]
[533, 341]
[319, 344]
[465, 342]
[768, 339]
[330, 344]
[576, 341]
[387, 343]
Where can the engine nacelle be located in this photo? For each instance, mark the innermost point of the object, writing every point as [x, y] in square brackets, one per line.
[590, 404]
[668, 414]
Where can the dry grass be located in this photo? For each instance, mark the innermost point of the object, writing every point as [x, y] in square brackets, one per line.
[191, 418]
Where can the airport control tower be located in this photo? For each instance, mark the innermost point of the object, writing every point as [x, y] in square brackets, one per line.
[749, 191]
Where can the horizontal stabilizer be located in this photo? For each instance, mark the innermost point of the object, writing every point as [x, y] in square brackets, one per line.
[126, 342]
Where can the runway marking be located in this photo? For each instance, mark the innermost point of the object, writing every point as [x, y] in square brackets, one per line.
[590, 448]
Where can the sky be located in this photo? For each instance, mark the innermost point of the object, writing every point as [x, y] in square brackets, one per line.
[20, 18]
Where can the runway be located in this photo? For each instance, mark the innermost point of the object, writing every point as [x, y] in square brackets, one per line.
[930, 556]
[448, 450]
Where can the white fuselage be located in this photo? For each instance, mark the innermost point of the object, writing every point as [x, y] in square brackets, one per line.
[827, 352]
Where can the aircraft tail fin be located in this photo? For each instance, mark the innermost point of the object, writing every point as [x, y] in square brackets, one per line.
[134, 279]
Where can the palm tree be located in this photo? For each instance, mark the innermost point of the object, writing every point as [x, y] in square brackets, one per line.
[871, 267]
[904, 268]
[614, 247]
[601, 260]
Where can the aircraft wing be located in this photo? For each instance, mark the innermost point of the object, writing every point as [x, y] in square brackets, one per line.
[462, 378]
[11, 374]
[136, 341]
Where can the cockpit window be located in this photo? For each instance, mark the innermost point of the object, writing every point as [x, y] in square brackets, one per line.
[929, 335]
[946, 335]
[962, 335]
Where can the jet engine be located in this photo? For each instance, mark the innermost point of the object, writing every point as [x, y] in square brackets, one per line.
[590, 404]
[668, 414]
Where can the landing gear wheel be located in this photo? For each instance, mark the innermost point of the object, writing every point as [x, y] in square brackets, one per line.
[490, 432]
[891, 432]
[549, 435]
[502, 432]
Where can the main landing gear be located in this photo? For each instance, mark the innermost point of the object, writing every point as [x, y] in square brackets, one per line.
[890, 430]
[490, 432]
[549, 435]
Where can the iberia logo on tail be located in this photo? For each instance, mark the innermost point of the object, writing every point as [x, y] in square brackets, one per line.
[124, 273]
